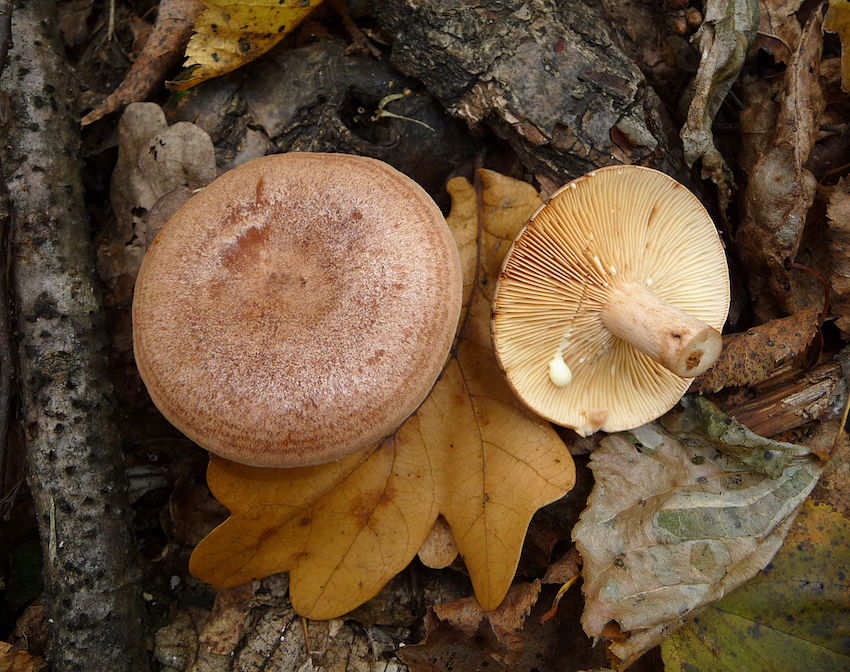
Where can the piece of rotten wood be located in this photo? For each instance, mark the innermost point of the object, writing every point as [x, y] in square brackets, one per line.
[73, 453]
[546, 77]
[794, 399]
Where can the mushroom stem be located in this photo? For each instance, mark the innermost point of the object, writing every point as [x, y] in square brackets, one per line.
[673, 338]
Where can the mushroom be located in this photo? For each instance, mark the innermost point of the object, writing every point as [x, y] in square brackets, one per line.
[610, 300]
[297, 309]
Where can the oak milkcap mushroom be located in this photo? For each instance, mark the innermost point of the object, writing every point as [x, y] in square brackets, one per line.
[297, 309]
[611, 300]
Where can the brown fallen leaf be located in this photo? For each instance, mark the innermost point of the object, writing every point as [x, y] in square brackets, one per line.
[779, 30]
[13, 659]
[564, 568]
[161, 52]
[221, 633]
[471, 452]
[726, 33]
[230, 34]
[672, 526]
[556, 645]
[750, 357]
[838, 217]
[467, 616]
[837, 20]
[780, 190]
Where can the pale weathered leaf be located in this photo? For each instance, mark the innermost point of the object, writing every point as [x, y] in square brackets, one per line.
[673, 525]
[794, 615]
[471, 452]
[703, 422]
[153, 159]
[727, 31]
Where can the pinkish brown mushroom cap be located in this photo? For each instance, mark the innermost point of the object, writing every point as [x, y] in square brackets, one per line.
[297, 309]
[611, 300]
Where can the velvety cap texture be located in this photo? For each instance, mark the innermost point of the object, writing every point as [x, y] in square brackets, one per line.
[297, 309]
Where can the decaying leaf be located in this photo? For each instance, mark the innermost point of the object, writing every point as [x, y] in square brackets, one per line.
[837, 20]
[672, 526]
[471, 452]
[779, 31]
[751, 356]
[231, 33]
[757, 120]
[838, 216]
[780, 190]
[13, 659]
[727, 31]
[153, 159]
[794, 615]
[702, 422]
[221, 633]
[467, 616]
[161, 52]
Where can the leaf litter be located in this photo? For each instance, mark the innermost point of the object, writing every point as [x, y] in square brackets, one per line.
[793, 615]
[673, 524]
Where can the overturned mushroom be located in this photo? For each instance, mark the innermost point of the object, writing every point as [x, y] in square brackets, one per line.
[611, 300]
[297, 309]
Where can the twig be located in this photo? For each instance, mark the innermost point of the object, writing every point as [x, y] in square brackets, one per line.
[74, 460]
[7, 362]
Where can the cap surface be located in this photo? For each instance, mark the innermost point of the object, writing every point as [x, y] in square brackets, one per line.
[615, 228]
[297, 309]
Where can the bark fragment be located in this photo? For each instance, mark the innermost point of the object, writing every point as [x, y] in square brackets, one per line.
[548, 79]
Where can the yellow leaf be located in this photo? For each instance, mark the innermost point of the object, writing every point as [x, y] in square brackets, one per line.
[791, 616]
[471, 452]
[230, 34]
[837, 20]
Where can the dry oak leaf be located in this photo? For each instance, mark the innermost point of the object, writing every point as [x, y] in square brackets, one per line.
[161, 52]
[751, 356]
[779, 30]
[471, 452]
[230, 34]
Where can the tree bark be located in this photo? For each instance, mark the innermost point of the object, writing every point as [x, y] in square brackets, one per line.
[547, 79]
[73, 454]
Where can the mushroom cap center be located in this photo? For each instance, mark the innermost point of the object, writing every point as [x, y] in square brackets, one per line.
[311, 310]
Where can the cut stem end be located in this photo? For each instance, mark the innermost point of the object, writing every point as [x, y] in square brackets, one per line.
[678, 341]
